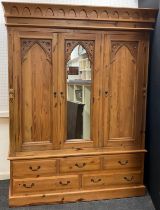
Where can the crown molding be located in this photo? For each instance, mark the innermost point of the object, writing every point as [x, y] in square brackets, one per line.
[46, 15]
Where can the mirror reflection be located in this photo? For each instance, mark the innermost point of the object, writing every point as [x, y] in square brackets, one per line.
[78, 94]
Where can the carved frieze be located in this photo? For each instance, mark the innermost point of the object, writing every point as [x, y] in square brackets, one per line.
[77, 12]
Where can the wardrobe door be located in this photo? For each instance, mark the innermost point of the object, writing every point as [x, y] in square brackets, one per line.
[79, 88]
[124, 88]
[35, 91]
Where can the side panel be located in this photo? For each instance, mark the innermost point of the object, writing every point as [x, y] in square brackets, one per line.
[35, 73]
[124, 89]
[36, 94]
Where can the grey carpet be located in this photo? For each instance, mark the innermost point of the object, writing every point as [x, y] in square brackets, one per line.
[135, 203]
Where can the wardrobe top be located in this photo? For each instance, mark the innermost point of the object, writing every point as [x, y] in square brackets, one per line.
[112, 16]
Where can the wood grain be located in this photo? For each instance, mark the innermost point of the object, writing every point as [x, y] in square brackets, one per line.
[33, 168]
[99, 180]
[45, 168]
[79, 164]
[36, 100]
[121, 105]
[104, 17]
[40, 185]
[123, 161]
[84, 195]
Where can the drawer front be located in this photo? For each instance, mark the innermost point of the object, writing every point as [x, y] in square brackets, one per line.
[47, 184]
[33, 168]
[79, 164]
[111, 180]
[122, 161]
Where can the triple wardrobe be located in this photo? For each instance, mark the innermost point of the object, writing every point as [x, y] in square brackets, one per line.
[77, 98]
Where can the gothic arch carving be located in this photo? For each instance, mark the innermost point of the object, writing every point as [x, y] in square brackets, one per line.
[26, 44]
[14, 10]
[89, 46]
[26, 11]
[131, 45]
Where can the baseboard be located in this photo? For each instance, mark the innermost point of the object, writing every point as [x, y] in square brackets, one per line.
[4, 176]
[81, 195]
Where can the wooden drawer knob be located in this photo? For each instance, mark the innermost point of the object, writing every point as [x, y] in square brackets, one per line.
[34, 169]
[96, 181]
[80, 165]
[129, 179]
[64, 183]
[28, 186]
[123, 162]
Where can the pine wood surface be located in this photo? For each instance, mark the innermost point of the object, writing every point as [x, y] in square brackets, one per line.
[45, 168]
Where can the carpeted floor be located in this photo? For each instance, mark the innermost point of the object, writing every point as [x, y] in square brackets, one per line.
[135, 203]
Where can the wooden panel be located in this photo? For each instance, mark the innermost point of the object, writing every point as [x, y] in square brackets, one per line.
[122, 94]
[75, 152]
[12, 111]
[79, 164]
[35, 90]
[122, 91]
[36, 95]
[33, 168]
[111, 180]
[38, 185]
[84, 195]
[123, 161]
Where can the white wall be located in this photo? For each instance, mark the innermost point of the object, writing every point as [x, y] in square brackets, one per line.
[4, 143]
[4, 127]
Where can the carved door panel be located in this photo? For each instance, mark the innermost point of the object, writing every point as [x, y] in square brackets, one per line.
[124, 88]
[35, 91]
[79, 87]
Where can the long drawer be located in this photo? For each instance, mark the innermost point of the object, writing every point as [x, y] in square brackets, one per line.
[122, 161]
[111, 180]
[47, 184]
[79, 164]
[33, 168]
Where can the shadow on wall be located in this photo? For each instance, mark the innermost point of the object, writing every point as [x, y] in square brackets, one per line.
[152, 169]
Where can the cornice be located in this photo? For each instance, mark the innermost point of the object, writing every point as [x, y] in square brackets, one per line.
[26, 11]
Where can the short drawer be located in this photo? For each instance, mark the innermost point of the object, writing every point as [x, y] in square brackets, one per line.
[122, 161]
[111, 180]
[47, 184]
[79, 164]
[33, 168]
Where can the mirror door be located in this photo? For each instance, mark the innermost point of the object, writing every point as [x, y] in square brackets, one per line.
[78, 94]
[79, 72]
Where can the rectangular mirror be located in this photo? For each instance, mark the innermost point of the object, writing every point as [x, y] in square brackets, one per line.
[79, 79]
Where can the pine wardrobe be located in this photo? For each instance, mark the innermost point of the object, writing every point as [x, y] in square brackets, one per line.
[77, 98]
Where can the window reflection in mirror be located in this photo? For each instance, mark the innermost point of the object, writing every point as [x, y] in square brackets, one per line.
[78, 94]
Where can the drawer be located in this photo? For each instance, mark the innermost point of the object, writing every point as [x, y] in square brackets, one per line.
[122, 161]
[47, 184]
[79, 164]
[111, 180]
[33, 168]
